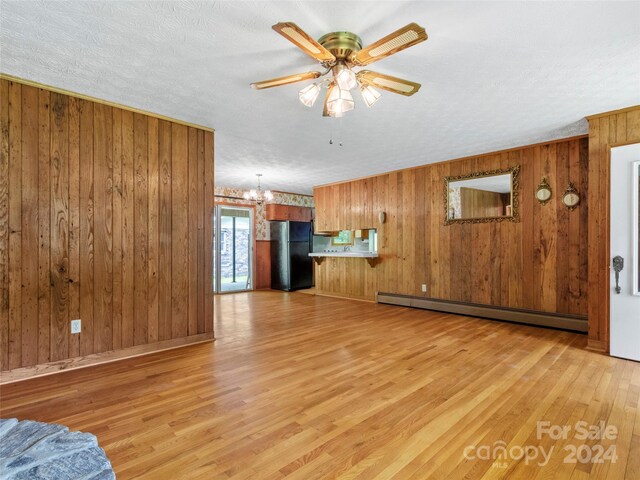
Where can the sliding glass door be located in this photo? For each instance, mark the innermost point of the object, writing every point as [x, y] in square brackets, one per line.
[233, 259]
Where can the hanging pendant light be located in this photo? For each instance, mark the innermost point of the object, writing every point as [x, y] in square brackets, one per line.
[258, 195]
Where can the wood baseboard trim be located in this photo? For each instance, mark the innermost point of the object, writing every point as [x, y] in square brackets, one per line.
[596, 345]
[344, 297]
[542, 319]
[25, 373]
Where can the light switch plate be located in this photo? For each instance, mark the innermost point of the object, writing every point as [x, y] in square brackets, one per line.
[76, 326]
[424, 287]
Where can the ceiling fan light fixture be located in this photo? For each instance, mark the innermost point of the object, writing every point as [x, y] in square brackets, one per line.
[309, 94]
[345, 78]
[369, 94]
[338, 52]
[339, 101]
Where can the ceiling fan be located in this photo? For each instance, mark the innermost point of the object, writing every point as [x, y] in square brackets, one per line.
[339, 53]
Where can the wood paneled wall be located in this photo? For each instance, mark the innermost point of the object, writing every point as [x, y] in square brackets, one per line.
[539, 263]
[605, 131]
[105, 216]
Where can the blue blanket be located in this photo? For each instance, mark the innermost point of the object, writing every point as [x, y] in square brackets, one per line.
[43, 451]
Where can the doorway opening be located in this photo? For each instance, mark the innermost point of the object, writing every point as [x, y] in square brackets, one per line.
[233, 248]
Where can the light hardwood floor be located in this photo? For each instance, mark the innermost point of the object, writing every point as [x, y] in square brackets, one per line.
[303, 386]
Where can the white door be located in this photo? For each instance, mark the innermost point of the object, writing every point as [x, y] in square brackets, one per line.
[625, 246]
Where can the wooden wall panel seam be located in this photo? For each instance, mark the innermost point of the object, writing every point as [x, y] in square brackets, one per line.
[29, 217]
[15, 225]
[164, 231]
[153, 244]
[74, 220]
[4, 226]
[192, 231]
[116, 330]
[59, 233]
[179, 234]
[103, 228]
[87, 195]
[128, 229]
[141, 229]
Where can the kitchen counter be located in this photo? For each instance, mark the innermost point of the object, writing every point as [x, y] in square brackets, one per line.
[371, 257]
[345, 254]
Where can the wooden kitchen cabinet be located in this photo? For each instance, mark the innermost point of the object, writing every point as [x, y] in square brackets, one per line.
[276, 212]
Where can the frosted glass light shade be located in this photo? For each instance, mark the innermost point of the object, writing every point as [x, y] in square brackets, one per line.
[339, 101]
[369, 94]
[309, 94]
[346, 79]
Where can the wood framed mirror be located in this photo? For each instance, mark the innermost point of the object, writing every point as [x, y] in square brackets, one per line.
[490, 196]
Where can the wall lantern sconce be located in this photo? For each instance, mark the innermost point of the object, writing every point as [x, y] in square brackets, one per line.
[571, 197]
[543, 193]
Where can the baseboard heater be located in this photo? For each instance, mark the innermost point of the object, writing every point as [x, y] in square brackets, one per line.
[576, 323]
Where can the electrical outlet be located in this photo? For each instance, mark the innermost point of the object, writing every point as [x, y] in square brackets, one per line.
[76, 326]
[424, 287]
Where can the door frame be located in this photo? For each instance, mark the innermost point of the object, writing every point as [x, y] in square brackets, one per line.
[635, 248]
[217, 203]
[635, 233]
[602, 266]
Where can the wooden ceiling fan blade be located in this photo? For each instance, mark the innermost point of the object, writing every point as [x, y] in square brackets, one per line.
[277, 82]
[395, 42]
[387, 82]
[304, 42]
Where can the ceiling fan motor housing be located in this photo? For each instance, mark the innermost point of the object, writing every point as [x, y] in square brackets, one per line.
[341, 44]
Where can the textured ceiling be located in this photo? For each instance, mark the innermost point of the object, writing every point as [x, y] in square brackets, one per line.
[494, 75]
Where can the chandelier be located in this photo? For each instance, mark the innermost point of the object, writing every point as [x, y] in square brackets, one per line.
[258, 195]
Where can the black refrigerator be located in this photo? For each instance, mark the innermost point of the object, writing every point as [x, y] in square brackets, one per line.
[291, 265]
